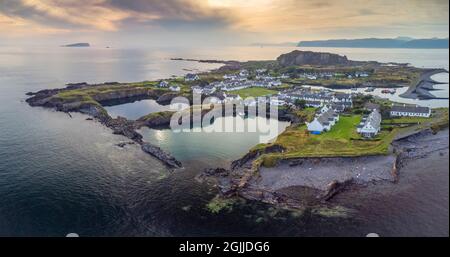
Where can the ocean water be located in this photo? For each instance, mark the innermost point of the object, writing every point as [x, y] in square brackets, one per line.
[60, 174]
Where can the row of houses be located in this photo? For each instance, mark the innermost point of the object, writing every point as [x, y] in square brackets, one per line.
[329, 75]
[410, 111]
[338, 101]
[324, 120]
[222, 98]
[165, 84]
[370, 124]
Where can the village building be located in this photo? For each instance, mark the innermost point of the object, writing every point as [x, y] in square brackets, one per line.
[191, 77]
[175, 88]
[324, 121]
[232, 98]
[372, 106]
[163, 83]
[410, 111]
[197, 90]
[361, 74]
[343, 98]
[208, 90]
[216, 98]
[244, 73]
[261, 71]
[370, 125]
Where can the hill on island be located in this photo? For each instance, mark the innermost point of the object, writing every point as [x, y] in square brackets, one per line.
[400, 42]
[297, 57]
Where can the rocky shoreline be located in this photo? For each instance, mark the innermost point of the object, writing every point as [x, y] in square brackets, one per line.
[301, 182]
[119, 125]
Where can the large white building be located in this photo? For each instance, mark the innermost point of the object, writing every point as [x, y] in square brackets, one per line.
[324, 121]
[370, 125]
[410, 111]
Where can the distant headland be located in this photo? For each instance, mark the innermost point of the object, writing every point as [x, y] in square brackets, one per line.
[399, 42]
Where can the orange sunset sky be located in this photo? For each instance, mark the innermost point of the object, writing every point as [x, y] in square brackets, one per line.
[166, 22]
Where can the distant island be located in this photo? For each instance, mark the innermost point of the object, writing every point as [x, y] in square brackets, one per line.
[77, 45]
[400, 42]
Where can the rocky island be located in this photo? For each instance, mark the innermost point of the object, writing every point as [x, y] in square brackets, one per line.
[297, 158]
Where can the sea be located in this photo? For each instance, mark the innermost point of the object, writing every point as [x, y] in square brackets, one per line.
[63, 174]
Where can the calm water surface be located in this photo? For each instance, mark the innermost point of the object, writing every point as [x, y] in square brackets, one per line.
[60, 174]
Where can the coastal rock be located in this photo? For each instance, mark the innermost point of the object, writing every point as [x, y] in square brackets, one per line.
[123, 144]
[122, 126]
[334, 188]
[155, 120]
[166, 98]
[164, 157]
[297, 57]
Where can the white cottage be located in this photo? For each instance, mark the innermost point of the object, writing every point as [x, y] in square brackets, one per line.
[323, 122]
[175, 88]
[370, 125]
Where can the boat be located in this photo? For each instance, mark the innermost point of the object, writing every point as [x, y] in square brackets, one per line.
[388, 91]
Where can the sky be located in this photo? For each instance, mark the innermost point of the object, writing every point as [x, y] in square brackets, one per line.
[216, 22]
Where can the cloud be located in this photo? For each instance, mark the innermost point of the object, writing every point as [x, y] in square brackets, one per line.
[109, 15]
[271, 20]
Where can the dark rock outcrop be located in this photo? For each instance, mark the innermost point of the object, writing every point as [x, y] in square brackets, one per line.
[166, 98]
[297, 57]
[155, 120]
[159, 154]
[335, 187]
[91, 107]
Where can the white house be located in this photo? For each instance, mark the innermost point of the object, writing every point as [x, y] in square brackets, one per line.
[277, 102]
[175, 88]
[163, 83]
[232, 98]
[197, 90]
[209, 90]
[191, 77]
[234, 86]
[323, 122]
[261, 71]
[370, 125]
[244, 73]
[342, 98]
[410, 111]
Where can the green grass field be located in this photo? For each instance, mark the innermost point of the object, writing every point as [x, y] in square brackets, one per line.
[343, 140]
[254, 92]
[345, 128]
[406, 120]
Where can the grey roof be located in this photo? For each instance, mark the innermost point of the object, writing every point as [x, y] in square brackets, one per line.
[374, 119]
[342, 95]
[325, 117]
[313, 102]
[191, 75]
[372, 106]
[413, 109]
